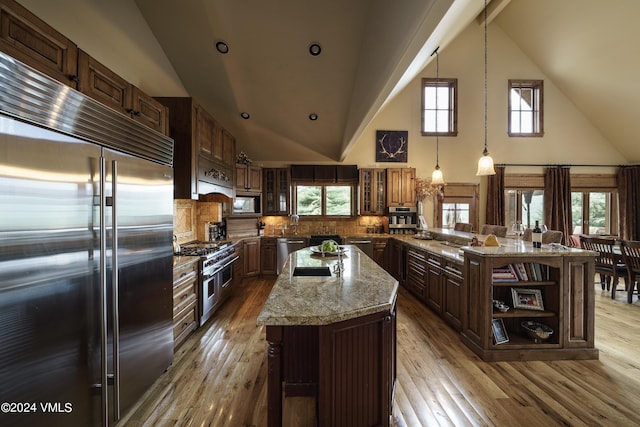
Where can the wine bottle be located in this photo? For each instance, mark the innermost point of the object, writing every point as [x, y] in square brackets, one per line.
[536, 236]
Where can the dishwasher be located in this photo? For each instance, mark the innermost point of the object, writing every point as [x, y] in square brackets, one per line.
[364, 244]
[285, 246]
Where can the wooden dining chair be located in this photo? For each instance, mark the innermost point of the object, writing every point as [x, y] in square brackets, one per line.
[609, 264]
[463, 226]
[631, 256]
[496, 230]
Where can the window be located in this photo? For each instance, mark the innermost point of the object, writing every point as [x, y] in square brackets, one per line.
[524, 205]
[592, 212]
[525, 108]
[324, 200]
[439, 105]
[458, 204]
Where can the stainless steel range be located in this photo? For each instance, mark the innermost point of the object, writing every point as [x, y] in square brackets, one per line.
[215, 273]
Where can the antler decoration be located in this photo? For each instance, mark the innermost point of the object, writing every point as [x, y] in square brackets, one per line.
[395, 153]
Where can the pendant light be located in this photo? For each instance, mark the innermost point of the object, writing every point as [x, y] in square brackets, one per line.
[436, 175]
[485, 164]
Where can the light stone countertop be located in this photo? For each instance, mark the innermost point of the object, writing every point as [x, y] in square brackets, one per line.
[363, 288]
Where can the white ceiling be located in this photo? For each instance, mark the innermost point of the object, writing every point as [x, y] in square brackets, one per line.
[370, 49]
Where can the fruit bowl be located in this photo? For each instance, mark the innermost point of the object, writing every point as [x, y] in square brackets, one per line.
[538, 332]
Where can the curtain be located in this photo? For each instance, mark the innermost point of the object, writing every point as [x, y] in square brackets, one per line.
[557, 201]
[629, 202]
[495, 198]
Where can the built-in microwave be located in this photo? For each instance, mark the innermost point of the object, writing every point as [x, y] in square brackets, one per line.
[247, 205]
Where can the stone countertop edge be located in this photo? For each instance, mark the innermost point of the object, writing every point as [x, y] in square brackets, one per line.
[364, 288]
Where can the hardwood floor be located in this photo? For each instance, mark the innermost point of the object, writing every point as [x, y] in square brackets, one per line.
[218, 377]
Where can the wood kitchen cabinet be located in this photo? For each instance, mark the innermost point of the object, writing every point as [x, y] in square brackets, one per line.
[100, 83]
[452, 307]
[29, 39]
[193, 128]
[276, 186]
[401, 187]
[434, 295]
[565, 285]
[238, 266]
[380, 252]
[185, 301]
[251, 255]
[248, 179]
[373, 191]
[268, 256]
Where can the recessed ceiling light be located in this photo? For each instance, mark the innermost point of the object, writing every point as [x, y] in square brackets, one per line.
[313, 116]
[245, 115]
[315, 49]
[222, 46]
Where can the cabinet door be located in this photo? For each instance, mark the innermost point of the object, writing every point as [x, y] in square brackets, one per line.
[380, 253]
[251, 257]
[434, 286]
[254, 179]
[241, 177]
[408, 191]
[268, 257]
[394, 187]
[228, 148]
[452, 310]
[149, 112]
[29, 39]
[205, 133]
[100, 83]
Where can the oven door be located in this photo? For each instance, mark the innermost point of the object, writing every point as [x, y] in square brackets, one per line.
[226, 278]
[209, 295]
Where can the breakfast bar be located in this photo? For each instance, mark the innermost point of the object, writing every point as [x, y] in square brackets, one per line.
[332, 337]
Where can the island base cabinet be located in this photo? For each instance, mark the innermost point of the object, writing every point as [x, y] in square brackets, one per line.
[349, 366]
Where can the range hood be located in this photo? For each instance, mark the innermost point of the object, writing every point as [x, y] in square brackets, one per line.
[215, 183]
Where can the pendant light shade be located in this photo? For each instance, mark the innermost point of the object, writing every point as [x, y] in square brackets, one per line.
[485, 164]
[436, 176]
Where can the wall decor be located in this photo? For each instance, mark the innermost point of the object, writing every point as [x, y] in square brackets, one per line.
[392, 146]
[529, 299]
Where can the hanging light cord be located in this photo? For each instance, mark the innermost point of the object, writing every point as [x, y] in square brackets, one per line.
[486, 151]
[437, 90]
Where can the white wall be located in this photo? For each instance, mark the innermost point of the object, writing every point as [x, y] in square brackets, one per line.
[115, 33]
[569, 138]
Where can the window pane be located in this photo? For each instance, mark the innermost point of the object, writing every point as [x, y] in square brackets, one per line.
[532, 207]
[443, 98]
[576, 212]
[429, 120]
[454, 212]
[443, 121]
[309, 200]
[338, 200]
[511, 206]
[598, 213]
[430, 97]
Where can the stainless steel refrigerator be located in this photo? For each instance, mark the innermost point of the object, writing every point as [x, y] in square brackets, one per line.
[86, 220]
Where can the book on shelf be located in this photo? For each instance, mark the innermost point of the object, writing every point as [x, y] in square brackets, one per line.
[521, 272]
[505, 274]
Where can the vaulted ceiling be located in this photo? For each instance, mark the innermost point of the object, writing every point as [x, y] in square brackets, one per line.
[370, 50]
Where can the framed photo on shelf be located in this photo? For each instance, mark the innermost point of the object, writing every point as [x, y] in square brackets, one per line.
[528, 299]
[499, 332]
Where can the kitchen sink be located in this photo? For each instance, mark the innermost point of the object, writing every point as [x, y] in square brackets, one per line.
[311, 271]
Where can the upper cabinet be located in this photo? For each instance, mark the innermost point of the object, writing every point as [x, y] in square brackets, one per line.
[276, 185]
[401, 187]
[372, 191]
[27, 38]
[248, 179]
[103, 85]
[194, 132]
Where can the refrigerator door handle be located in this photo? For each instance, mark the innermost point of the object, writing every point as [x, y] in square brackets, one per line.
[104, 302]
[114, 290]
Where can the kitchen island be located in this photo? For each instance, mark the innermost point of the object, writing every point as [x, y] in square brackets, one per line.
[332, 337]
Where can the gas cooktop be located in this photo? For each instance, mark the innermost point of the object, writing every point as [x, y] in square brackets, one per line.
[199, 248]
